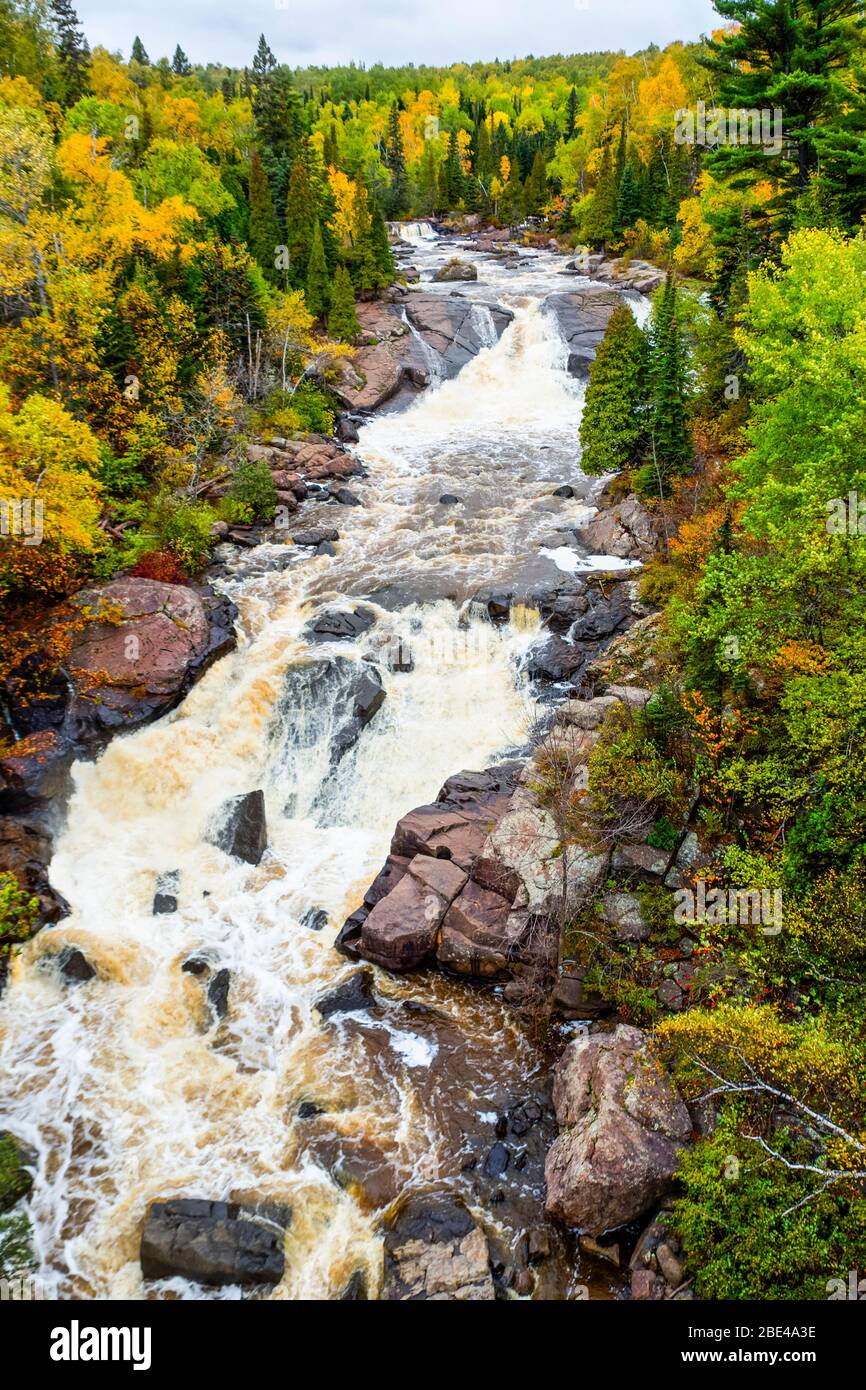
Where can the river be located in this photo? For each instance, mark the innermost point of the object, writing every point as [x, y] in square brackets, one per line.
[127, 1087]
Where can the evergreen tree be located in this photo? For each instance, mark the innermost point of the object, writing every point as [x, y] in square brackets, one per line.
[599, 221]
[264, 230]
[395, 162]
[383, 255]
[511, 204]
[180, 64]
[318, 288]
[264, 61]
[300, 221]
[613, 425]
[139, 53]
[571, 115]
[670, 441]
[452, 173]
[73, 51]
[790, 57]
[342, 320]
[627, 201]
[535, 189]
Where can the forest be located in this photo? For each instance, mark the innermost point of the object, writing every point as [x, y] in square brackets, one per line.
[183, 252]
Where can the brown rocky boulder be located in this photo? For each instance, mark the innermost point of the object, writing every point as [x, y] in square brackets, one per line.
[401, 931]
[434, 1250]
[627, 530]
[622, 1126]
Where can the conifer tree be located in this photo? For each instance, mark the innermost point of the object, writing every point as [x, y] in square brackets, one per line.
[264, 230]
[571, 115]
[382, 253]
[300, 221]
[180, 64]
[670, 440]
[511, 204]
[535, 188]
[73, 50]
[139, 53]
[318, 289]
[599, 221]
[627, 201]
[613, 425]
[395, 162]
[342, 319]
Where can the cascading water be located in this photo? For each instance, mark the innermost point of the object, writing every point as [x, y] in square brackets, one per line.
[128, 1087]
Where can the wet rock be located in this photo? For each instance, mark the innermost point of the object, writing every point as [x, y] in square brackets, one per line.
[356, 1288]
[165, 897]
[212, 1243]
[346, 430]
[315, 535]
[583, 316]
[308, 1110]
[402, 929]
[556, 660]
[565, 491]
[537, 1244]
[346, 498]
[478, 934]
[218, 993]
[316, 919]
[622, 1125]
[646, 1286]
[325, 548]
[340, 624]
[25, 851]
[449, 326]
[399, 658]
[497, 1160]
[608, 1254]
[242, 827]
[196, 965]
[434, 1250]
[448, 499]
[571, 998]
[669, 1266]
[354, 995]
[455, 270]
[74, 965]
[627, 530]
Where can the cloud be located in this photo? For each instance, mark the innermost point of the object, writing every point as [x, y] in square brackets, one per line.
[438, 32]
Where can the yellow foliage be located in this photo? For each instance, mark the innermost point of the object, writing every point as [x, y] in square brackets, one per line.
[46, 456]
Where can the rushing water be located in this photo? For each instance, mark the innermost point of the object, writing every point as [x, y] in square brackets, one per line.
[126, 1086]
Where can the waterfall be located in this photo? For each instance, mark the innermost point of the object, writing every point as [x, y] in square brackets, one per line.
[431, 358]
[416, 233]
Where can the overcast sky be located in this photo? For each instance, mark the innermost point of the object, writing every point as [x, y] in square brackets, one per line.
[389, 31]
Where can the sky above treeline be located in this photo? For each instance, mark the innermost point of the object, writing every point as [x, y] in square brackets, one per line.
[439, 32]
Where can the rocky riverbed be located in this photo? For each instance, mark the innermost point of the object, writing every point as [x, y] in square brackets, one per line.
[339, 736]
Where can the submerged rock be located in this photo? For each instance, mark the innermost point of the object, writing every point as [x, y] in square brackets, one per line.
[212, 1243]
[218, 993]
[74, 965]
[434, 1250]
[354, 995]
[338, 624]
[165, 897]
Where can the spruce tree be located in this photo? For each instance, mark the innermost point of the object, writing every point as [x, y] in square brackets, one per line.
[571, 115]
[511, 203]
[599, 221]
[72, 49]
[180, 64]
[535, 189]
[342, 319]
[264, 61]
[318, 289]
[395, 162]
[382, 253]
[613, 425]
[300, 221]
[670, 445]
[139, 53]
[627, 201]
[264, 230]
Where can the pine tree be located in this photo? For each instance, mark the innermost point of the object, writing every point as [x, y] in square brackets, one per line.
[73, 51]
[452, 172]
[395, 162]
[613, 425]
[511, 204]
[342, 320]
[139, 53]
[599, 221]
[264, 61]
[383, 255]
[535, 189]
[670, 440]
[180, 64]
[264, 230]
[318, 289]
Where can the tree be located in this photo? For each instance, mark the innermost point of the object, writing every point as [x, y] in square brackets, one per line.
[264, 61]
[571, 114]
[73, 50]
[614, 421]
[670, 440]
[511, 204]
[264, 231]
[395, 162]
[180, 64]
[139, 53]
[535, 189]
[799, 59]
[598, 224]
[300, 221]
[318, 289]
[627, 201]
[342, 320]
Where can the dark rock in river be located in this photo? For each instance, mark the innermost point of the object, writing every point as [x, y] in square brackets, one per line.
[242, 830]
[315, 536]
[434, 1250]
[354, 995]
[74, 965]
[336, 696]
[336, 624]
[583, 316]
[165, 897]
[211, 1243]
[218, 993]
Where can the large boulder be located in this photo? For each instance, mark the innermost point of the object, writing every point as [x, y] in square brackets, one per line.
[627, 530]
[402, 929]
[583, 316]
[434, 1250]
[622, 1126]
[213, 1243]
[456, 269]
[334, 698]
